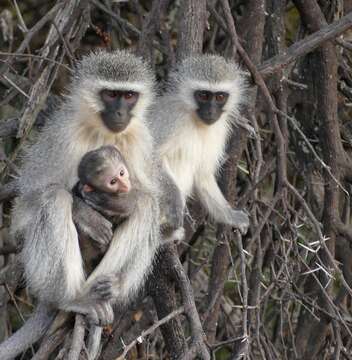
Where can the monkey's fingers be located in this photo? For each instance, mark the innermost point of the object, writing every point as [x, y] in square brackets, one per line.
[104, 293]
[101, 290]
[101, 315]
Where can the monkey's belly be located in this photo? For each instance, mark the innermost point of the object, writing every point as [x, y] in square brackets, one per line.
[183, 173]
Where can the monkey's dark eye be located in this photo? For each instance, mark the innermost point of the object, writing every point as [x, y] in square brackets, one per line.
[122, 172]
[130, 96]
[109, 95]
[113, 181]
[203, 95]
[221, 97]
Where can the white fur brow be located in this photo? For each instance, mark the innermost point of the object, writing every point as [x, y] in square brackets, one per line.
[120, 85]
[226, 86]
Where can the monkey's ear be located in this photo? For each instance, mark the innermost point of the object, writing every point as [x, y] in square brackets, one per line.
[87, 188]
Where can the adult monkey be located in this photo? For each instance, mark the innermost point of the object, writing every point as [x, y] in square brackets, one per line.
[106, 104]
[191, 123]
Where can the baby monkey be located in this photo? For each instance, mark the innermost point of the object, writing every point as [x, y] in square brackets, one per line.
[104, 183]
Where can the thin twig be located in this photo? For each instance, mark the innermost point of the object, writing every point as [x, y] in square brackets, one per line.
[37, 57]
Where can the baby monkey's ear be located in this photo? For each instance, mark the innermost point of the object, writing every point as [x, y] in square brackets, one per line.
[87, 188]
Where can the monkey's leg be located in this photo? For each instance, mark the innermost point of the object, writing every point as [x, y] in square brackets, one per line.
[51, 255]
[52, 258]
[213, 200]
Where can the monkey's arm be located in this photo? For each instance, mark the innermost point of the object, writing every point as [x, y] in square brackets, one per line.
[137, 239]
[121, 205]
[90, 222]
[213, 200]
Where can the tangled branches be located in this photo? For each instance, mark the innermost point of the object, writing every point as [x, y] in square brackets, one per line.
[283, 290]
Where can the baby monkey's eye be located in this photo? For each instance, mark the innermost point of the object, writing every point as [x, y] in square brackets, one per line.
[122, 172]
[113, 181]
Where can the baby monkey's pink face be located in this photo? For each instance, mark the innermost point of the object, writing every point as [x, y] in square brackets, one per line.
[111, 179]
[118, 181]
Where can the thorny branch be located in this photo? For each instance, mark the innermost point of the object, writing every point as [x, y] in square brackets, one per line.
[284, 290]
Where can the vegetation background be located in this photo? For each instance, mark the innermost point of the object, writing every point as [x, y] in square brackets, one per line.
[283, 291]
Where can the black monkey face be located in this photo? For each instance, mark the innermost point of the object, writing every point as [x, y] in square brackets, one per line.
[210, 105]
[117, 108]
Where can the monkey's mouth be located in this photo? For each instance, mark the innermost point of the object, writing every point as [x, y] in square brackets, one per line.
[114, 122]
[116, 127]
[208, 118]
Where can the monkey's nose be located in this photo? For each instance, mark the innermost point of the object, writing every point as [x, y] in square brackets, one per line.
[211, 115]
[121, 114]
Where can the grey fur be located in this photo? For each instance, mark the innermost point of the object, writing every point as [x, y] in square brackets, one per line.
[43, 211]
[211, 68]
[115, 66]
[183, 141]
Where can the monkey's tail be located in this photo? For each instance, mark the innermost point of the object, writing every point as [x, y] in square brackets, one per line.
[30, 332]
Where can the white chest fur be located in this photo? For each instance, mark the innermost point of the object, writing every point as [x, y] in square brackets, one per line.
[194, 150]
[135, 144]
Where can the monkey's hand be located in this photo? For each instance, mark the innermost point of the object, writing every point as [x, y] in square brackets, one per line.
[240, 220]
[102, 289]
[91, 223]
[101, 295]
[101, 314]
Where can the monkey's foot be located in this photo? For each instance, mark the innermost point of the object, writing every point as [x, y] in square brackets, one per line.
[240, 221]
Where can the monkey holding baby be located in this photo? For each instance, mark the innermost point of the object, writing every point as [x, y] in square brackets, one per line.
[106, 104]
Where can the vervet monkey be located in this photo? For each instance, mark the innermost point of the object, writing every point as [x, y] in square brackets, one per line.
[191, 123]
[106, 104]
